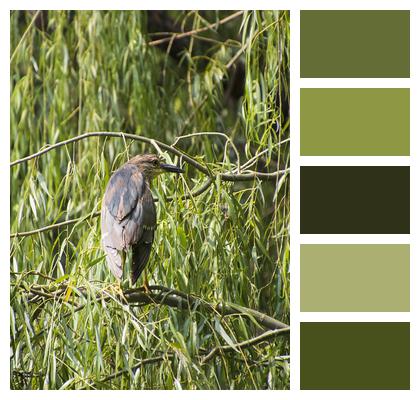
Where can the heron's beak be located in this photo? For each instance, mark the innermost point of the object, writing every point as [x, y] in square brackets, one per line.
[171, 168]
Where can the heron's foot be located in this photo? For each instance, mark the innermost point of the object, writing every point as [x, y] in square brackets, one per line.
[146, 287]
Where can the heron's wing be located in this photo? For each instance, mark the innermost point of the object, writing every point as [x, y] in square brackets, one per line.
[124, 189]
[143, 246]
[112, 241]
[121, 214]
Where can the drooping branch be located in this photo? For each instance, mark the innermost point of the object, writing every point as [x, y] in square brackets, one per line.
[161, 295]
[175, 298]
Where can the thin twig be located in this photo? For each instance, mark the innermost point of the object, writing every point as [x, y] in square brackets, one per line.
[247, 343]
[255, 158]
[192, 115]
[24, 35]
[223, 135]
[54, 226]
[195, 31]
[36, 273]
[237, 54]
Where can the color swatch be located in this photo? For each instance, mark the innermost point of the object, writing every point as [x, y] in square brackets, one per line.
[355, 199]
[374, 199]
[355, 277]
[355, 355]
[355, 122]
[355, 44]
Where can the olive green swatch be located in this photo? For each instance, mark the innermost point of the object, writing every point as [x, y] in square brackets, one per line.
[355, 44]
[355, 122]
[354, 277]
[355, 200]
[355, 355]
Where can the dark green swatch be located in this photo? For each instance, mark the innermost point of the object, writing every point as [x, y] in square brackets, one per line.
[355, 277]
[355, 122]
[355, 44]
[361, 200]
[355, 355]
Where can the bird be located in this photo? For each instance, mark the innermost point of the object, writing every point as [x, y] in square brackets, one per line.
[128, 214]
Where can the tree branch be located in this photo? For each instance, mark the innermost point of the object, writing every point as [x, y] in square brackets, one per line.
[177, 299]
[171, 149]
[54, 226]
[176, 36]
[230, 177]
[172, 298]
[121, 135]
[247, 343]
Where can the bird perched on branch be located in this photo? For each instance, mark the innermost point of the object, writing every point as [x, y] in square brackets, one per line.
[128, 216]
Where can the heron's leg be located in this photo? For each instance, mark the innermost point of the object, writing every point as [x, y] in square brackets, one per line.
[123, 255]
[125, 281]
[145, 285]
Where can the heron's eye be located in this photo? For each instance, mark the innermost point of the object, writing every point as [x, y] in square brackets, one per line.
[156, 163]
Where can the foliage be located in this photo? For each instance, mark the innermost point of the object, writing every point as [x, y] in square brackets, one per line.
[75, 72]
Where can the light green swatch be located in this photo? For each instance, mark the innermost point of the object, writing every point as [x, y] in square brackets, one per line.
[355, 122]
[355, 277]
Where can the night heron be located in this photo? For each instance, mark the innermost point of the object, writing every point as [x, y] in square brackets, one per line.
[128, 216]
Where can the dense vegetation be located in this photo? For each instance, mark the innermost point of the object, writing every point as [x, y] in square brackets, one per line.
[218, 94]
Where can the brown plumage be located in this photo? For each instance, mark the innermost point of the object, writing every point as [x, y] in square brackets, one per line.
[128, 216]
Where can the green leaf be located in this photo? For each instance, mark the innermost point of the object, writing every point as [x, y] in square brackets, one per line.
[221, 331]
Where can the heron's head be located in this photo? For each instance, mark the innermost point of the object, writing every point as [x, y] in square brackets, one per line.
[151, 165]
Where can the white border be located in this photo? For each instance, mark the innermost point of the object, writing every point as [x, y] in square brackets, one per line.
[354, 161]
[294, 199]
[297, 161]
[355, 316]
[354, 239]
[4, 200]
[294, 6]
[325, 83]
[366, 239]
